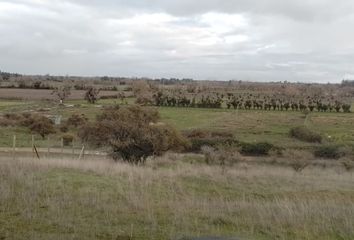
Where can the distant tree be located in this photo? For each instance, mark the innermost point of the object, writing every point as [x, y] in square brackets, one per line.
[62, 93]
[91, 95]
[37, 85]
[143, 92]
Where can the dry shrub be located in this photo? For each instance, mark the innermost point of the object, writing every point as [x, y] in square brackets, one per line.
[143, 92]
[348, 164]
[42, 125]
[221, 156]
[36, 123]
[305, 134]
[131, 135]
[4, 122]
[68, 139]
[76, 120]
[298, 159]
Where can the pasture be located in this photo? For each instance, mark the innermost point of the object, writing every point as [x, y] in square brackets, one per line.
[246, 125]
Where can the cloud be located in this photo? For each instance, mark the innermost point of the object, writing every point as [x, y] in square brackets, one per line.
[226, 39]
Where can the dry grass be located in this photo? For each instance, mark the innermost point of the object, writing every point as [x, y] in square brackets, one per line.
[168, 199]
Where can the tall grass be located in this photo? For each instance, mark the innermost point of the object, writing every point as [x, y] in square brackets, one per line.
[166, 199]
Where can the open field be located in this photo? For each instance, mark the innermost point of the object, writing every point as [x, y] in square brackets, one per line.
[42, 94]
[247, 125]
[170, 199]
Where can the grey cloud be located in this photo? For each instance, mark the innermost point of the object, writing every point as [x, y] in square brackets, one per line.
[270, 40]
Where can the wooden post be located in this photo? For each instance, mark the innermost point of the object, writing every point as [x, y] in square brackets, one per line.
[82, 152]
[62, 146]
[48, 146]
[35, 149]
[33, 152]
[14, 147]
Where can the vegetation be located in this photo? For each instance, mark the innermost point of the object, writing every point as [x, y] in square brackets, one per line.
[62, 93]
[172, 199]
[133, 133]
[91, 95]
[218, 159]
[41, 125]
[305, 134]
[256, 149]
[328, 151]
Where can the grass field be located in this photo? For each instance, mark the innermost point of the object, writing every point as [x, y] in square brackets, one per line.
[170, 198]
[249, 126]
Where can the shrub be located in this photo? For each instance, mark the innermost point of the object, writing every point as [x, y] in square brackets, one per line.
[68, 139]
[63, 128]
[221, 156]
[304, 134]
[328, 152]
[348, 165]
[4, 122]
[42, 125]
[256, 149]
[132, 133]
[200, 138]
[91, 95]
[76, 120]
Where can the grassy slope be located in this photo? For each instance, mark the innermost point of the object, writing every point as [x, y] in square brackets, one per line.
[60, 199]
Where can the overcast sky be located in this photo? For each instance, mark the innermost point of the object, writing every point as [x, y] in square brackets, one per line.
[258, 40]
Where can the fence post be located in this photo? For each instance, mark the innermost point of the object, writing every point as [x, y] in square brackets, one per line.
[82, 152]
[14, 147]
[62, 146]
[48, 146]
[33, 152]
[35, 149]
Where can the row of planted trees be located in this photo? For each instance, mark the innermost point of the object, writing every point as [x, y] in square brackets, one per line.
[251, 101]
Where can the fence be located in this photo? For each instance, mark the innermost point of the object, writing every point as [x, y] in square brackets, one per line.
[49, 148]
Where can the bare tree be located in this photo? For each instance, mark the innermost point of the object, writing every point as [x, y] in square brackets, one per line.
[62, 93]
[91, 95]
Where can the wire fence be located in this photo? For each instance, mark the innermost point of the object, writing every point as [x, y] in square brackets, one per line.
[48, 147]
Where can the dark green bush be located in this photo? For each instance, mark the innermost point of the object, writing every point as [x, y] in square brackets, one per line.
[328, 152]
[199, 138]
[256, 149]
[304, 134]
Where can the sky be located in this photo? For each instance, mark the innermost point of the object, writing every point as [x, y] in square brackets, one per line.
[250, 40]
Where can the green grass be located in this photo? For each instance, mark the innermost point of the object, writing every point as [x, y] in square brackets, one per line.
[249, 126]
[271, 126]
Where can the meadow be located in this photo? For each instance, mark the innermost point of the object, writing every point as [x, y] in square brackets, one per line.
[173, 197]
[246, 125]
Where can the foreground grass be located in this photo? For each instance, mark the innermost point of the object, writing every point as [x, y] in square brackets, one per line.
[99, 199]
